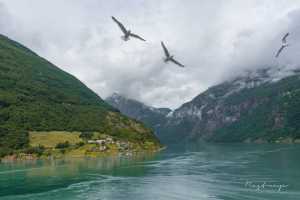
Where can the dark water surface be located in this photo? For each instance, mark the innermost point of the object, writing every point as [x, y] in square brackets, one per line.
[202, 171]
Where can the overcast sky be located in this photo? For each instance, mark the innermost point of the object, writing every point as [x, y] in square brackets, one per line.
[215, 39]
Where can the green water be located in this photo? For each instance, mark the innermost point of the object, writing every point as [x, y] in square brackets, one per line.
[197, 172]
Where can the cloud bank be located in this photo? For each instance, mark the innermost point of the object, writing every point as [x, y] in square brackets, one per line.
[215, 39]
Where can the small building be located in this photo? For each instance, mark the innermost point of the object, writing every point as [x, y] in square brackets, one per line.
[100, 142]
[102, 148]
[109, 140]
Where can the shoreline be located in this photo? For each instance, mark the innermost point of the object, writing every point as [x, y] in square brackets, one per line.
[33, 157]
[57, 145]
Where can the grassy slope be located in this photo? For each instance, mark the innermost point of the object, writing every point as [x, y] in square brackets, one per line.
[51, 139]
[37, 96]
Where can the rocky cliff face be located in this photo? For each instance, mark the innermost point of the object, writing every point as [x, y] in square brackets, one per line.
[251, 107]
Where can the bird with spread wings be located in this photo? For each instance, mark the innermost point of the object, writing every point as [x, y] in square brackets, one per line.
[170, 57]
[127, 33]
[284, 44]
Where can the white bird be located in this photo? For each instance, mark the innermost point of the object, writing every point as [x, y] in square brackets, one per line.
[169, 57]
[127, 33]
[283, 46]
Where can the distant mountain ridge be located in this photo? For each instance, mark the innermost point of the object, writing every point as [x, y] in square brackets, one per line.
[258, 106]
[152, 117]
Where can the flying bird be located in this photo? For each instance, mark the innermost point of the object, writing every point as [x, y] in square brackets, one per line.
[284, 38]
[170, 57]
[281, 49]
[283, 46]
[127, 33]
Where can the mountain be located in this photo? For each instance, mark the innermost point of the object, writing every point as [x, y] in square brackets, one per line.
[260, 106]
[35, 95]
[152, 117]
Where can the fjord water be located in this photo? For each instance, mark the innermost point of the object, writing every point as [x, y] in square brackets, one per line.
[198, 171]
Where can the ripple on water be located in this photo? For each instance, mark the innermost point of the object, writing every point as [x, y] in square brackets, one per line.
[213, 173]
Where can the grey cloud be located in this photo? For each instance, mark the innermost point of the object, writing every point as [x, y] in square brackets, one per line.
[215, 39]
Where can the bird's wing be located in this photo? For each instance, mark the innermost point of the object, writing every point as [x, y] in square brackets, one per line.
[284, 37]
[136, 36]
[176, 62]
[120, 25]
[279, 51]
[165, 49]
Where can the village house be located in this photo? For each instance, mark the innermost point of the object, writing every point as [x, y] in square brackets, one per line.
[100, 142]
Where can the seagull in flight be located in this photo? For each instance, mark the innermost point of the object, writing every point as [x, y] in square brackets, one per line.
[283, 46]
[127, 33]
[284, 38]
[169, 57]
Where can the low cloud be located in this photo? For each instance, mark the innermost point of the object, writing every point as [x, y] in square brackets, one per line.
[214, 39]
